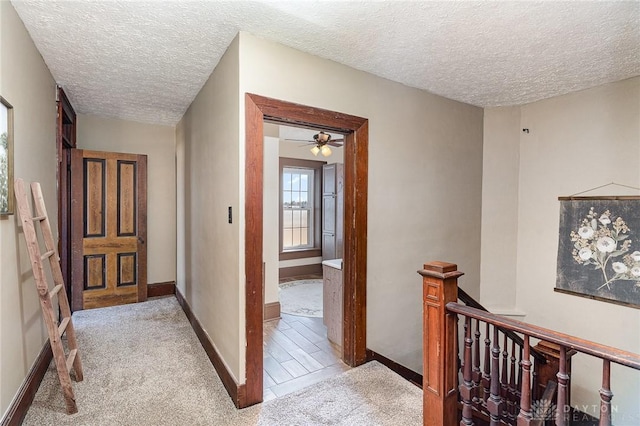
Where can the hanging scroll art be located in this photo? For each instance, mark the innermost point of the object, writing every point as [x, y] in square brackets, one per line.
[599, 249]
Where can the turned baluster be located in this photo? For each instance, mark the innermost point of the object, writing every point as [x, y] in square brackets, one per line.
[466, 387]
[476, 375]
[495, 404]
[519, 385]
[504, 380]
[524, 418]
[563, 379]
[512, 384]
[486, 373]
[605, 394]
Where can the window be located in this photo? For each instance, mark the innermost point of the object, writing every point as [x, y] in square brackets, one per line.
[297, 208]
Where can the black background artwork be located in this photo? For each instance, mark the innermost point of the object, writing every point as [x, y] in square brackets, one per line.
[599, 249]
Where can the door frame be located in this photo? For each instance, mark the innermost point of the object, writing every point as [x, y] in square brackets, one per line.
[356, 129]
[65, 142]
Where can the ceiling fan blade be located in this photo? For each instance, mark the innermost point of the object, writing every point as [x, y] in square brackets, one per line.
[300, 140]
[337, 142]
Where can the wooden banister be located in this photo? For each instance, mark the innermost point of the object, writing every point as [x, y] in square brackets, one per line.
[619, 356]
[439, 351]
[470, 301]
[497, 395]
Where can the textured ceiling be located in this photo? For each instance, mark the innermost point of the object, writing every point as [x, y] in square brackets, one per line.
[146, 61]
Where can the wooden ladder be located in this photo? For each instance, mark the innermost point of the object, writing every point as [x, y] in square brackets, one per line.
[55, 329]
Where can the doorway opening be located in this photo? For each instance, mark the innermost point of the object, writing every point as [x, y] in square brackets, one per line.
[303, 226]
[257, 110]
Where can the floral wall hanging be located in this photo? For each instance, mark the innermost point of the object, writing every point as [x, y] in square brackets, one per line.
[599, 248]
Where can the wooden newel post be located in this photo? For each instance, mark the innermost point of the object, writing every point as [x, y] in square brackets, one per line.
[439, 347]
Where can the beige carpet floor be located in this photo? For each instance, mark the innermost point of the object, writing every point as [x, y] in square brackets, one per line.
[143, 365]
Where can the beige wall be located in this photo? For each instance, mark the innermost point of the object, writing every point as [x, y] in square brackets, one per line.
[25, 82]
[425, 173]
[158, 143]
[576, 142]
[501, 153]
[208, 183]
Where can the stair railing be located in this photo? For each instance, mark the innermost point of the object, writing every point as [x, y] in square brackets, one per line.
[505, 396]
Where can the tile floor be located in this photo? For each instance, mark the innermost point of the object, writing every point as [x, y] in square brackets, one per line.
[297, 354]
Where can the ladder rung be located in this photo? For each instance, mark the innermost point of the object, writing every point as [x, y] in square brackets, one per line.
[63, 326]
[47, 255]
[71, 358]
[55, 290]
[37, 218]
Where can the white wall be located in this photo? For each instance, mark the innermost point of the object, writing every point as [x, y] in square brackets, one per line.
[26, 83]
[158, 143]
[576, 142]
[208, 156]
[425, 173]
[303, 152]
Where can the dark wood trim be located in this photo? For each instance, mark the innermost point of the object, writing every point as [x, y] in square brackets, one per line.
[20, 405]
[598, 298]
[356, 131]
[161, 289]
[141, 176]
[278, 111]
[407, 373]
[235, 391]
[596, 198]
[295, 271]
[77, 233]
[254, 165]
[65, 142]
[271, 311]
[300, 254]
[356, 172]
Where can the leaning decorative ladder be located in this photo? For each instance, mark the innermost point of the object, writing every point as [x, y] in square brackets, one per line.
[55, 329]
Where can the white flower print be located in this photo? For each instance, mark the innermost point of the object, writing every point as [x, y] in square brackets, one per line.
[619, 267]
[585, 253]
[602, 240]
[606, 245]
[586, 232]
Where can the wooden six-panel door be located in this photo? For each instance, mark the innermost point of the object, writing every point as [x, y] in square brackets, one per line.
[108, 227]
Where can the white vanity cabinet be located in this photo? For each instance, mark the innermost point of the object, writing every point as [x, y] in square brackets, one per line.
[332, 299]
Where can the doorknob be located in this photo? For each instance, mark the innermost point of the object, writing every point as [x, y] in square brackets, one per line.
[141, 240]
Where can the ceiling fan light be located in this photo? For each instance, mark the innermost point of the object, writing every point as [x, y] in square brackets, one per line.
[322, 137]
[315, 150]
[325, 150]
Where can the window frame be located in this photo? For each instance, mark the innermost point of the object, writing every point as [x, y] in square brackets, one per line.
[316, 167]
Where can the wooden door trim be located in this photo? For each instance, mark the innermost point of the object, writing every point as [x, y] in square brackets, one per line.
[142, 227]
[63, 143]
[77, 191]
[260, 108]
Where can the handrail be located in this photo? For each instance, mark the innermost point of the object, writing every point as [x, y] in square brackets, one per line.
[470, 301]
[598, 350]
